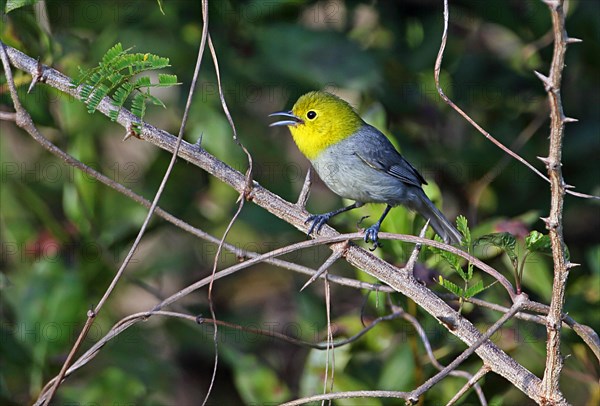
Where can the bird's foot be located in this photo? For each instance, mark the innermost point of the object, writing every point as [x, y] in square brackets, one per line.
[318, 221]
[371, 235]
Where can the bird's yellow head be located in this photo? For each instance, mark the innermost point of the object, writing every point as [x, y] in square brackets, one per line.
[319, 120]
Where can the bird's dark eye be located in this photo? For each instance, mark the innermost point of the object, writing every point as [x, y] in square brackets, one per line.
[311, 115]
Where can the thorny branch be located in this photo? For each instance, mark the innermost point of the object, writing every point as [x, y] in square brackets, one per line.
[558, 187]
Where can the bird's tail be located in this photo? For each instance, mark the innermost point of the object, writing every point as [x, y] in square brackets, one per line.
[437, 220]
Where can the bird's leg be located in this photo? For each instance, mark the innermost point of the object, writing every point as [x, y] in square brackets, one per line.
[371, 232]
[319, 220]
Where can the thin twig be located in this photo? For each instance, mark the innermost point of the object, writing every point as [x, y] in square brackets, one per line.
[477, 188]
[423, 336]
[438, 65]
[326, 265]
[471, 383]
[348, 395]
[330, 348]
[133, 319]
[8, 116]
[329, 240]
[410, 264]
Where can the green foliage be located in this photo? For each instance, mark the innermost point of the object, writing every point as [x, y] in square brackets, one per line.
[535, 242]
[538, 242]
[456, 264]
[117, 76]
[505, 241]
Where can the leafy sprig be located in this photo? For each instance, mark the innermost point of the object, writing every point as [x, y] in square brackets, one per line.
[118, 77]
[534, 242]
[455, 263]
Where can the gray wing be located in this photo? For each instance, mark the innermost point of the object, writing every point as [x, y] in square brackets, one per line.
[379, 153]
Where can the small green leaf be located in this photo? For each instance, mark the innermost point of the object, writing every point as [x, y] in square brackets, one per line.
[96, 97]
[505, 241]
[452, 259]
[452, 287]
[121, 94]
[143, 81]
[167, 80]
[475, 289]
[462, 225]
[117, 75]
[112, 54]
[138, 105]
[537, 241]
[155, 100]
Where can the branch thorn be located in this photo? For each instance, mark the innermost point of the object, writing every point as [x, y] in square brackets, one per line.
[545, 160]
[570, 265]
[545, 80]
[198, 143]
[569, 120]
[38, 76]
[304, 193]
[572, 40]
[326, 265]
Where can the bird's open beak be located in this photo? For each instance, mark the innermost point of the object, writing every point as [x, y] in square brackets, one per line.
[295, 120]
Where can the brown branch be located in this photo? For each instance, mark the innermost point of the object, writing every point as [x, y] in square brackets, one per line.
[348, 395]
[499, 361]
[473, 382]
[554, 222]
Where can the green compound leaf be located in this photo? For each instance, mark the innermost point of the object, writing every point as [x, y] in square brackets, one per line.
[475, 289]
[450, 286]
[117, 76]
[452, 259]
[461, 223]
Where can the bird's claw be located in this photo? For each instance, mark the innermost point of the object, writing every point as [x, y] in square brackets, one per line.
[318, 221]
[371, 235]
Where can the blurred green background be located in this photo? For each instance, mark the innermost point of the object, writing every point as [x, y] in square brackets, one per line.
[63, 234]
